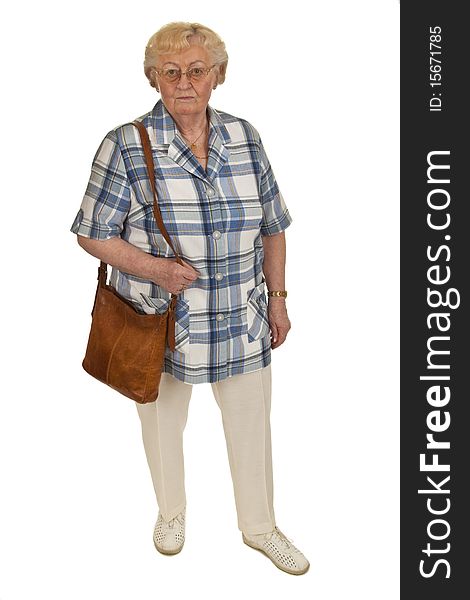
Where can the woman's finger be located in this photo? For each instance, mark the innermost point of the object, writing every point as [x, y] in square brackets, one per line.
[191, 269]
[274, 331]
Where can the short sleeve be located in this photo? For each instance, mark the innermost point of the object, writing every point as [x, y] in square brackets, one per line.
[276, 216]
[106, 202]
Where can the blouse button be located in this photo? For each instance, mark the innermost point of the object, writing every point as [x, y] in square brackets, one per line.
[220, 317]
[210, 192]
[219, 276]
[216, 234]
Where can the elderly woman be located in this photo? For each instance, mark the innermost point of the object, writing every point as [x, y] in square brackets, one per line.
[223, 210]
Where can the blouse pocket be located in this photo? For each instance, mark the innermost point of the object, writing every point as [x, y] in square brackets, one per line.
[257, 313]
[153, 305]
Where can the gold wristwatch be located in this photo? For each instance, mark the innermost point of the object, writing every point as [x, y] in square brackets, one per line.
[278, 293]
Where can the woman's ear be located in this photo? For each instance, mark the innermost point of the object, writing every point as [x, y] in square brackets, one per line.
[221, 73]
[153, 75]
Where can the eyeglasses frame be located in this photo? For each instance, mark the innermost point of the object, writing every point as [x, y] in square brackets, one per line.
[206, 73]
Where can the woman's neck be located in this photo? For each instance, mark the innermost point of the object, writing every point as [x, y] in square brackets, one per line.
[191, 125]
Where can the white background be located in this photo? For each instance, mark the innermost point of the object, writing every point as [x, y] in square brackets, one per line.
[77, 502]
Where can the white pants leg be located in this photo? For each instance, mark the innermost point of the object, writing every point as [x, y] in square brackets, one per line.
[163, 423]
[245, 404]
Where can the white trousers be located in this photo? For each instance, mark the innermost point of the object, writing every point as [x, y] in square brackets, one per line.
[245, 404]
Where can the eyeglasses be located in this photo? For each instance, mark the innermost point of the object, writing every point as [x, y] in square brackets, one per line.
[171, 75]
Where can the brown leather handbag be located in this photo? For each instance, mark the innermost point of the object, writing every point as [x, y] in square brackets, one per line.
[126, 349]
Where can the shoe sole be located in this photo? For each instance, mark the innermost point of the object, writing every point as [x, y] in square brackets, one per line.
[168, 552]
[285, 569]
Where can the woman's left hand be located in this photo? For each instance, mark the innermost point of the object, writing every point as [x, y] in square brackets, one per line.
[278, 321]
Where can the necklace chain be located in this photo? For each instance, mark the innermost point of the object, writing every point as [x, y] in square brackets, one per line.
[193, 144]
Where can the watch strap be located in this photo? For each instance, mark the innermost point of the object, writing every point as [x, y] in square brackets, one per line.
[278, 293]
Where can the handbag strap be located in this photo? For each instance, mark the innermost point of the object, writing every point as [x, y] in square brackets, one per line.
[144, 136]
[102, 270]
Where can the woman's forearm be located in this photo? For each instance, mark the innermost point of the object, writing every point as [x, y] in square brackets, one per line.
[274, 264]
[124, 256]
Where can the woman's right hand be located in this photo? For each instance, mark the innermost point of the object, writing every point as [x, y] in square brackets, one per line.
[175, 278]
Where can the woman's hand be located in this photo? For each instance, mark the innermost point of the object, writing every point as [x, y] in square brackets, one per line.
[278, 321]
[175, 278]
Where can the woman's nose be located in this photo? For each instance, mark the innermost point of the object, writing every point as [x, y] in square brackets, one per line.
[184, 82]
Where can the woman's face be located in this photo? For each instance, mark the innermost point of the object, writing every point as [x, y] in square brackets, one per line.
[185, 97]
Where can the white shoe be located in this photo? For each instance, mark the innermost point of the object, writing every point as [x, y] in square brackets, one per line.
[168, 536]
[280, 550]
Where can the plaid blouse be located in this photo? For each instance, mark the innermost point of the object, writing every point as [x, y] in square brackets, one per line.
[215, 218]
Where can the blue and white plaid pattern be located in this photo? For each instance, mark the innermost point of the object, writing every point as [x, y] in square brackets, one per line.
[215, 219]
